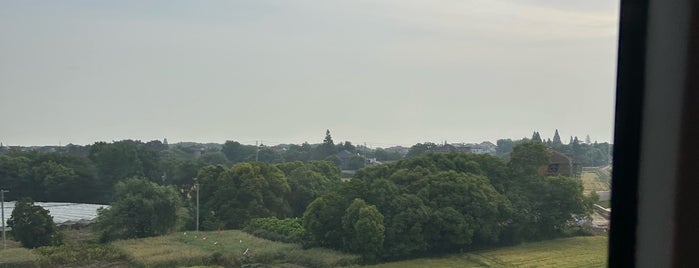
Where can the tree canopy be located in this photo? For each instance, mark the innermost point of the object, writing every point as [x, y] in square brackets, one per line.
[445, 202]
[141, 209]
[32, 225]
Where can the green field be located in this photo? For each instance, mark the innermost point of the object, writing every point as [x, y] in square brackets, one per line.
[225, 249]
[590, 251]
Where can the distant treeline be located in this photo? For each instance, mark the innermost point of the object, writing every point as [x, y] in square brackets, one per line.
[87, 174]
[583, 153]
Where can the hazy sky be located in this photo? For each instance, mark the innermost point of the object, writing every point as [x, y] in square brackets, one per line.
[381, 72]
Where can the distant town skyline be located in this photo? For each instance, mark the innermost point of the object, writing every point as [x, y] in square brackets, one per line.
[369, 144]
[384, 73]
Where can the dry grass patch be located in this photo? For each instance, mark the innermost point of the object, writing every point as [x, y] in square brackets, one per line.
[162, 251]
[18, 257]
[591, 182]
[588, 251]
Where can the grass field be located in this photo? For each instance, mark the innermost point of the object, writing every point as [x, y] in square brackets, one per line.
[225, 248]
[592, 182]
[590, 251]
[14, 257]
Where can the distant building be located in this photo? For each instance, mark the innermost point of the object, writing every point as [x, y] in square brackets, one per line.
[344, 157]
[399, 149]
[559, 165]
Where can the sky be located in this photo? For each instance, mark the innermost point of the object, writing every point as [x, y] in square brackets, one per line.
[380, 72]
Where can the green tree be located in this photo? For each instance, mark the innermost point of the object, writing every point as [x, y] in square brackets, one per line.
[536, 137]
[141, 209]
[557, 139]
[306, 184]
[363, 230]
[504, 147]
[323, 221]
[527, 157]
[383, 155]
[270, 156]
[230, 197]
[346, 146]
[32, 225]
[16, 174]
[301, 152]
[215, 158]
[115, 162]
[236, 152]
[59, 181]
[325, 149]
[420, 148]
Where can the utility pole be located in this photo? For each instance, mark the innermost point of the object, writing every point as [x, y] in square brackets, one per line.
[2, 208]
[196, 184]
[257, 150]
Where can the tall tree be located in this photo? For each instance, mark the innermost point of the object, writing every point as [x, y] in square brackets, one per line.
[326, 149]
[536, 137]
[557, 139]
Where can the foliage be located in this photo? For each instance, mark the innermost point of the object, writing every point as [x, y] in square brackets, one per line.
[446, 202]
[527, 157]
[583, 154]
[385, 155]
[420, 148]
[79, 254]
[301, 152]
[307, 181]
[231, 196]
[32, 225]
[48, 176]
[141, 209]
[236, 152]
[287, 230]
[363, 230]
[322, 219]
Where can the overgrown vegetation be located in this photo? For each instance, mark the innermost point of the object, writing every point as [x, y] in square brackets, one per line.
[225, 248]
[287, 230]
[76, 255]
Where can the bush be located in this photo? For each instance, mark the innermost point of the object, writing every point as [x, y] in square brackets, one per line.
[285, 230]
[32, 225]
[141, 209]
[79, 254]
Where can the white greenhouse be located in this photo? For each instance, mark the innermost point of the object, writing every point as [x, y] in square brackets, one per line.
[63, 213]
